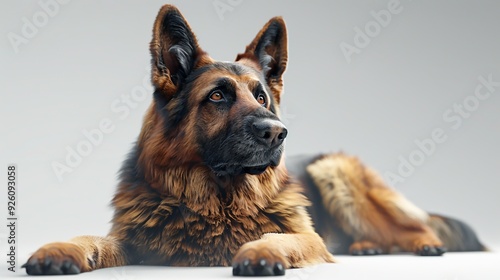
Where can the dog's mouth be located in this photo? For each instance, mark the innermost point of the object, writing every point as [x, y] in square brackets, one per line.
[232, 170]
[254, 165]
[255, 170]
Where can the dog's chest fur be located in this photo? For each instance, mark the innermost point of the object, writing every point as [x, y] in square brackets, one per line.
[170, 230]
[191, 239]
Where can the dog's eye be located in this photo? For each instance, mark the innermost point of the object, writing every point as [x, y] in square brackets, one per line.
[261, 98]
[216, 96]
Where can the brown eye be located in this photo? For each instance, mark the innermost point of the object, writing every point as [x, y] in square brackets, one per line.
[217, 96]
[261, 98]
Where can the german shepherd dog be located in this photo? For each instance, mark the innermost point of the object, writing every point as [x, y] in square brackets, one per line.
[206, 184]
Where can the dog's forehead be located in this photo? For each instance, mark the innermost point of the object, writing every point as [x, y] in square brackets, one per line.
[208, 75]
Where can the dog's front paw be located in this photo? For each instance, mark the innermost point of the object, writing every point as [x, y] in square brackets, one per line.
[258, 260]
[56, 259]
[430, 250]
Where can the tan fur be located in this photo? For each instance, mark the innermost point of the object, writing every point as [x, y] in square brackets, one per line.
[248, 205]
[293, 250]
[366, 208]
[86, 252]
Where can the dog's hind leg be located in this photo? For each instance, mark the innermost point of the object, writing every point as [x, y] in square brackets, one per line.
[368, 210]
[365, 248]
[80, 254]
[407, 222]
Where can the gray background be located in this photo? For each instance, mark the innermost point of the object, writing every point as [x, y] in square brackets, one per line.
[394, 91]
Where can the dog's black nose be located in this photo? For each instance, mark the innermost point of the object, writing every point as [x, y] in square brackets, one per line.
[269, 132]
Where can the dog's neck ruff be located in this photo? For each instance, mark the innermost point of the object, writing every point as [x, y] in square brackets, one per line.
[199, 190]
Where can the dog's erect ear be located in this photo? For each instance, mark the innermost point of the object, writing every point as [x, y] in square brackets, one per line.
[174, 50]
[270, 50]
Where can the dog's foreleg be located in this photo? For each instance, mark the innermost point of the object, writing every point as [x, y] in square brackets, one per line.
[80, 254]
[275, 252]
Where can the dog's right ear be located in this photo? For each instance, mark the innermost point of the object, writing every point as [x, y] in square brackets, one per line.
[174, 50]
[270, 50]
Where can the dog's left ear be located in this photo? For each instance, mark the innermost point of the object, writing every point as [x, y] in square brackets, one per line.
[270, 50]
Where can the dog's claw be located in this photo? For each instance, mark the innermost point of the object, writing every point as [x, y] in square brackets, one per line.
[279, 269]
[247, 268]
[441, 250]
[370, 252]
[365, 248]
[236, 269]
[262, 269]
[427, 250]
[357, 253]
[46, 263]
[367, 252]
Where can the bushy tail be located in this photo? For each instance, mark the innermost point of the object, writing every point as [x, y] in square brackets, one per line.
[456, 235]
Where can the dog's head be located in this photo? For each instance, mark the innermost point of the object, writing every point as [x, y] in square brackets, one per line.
[224, 114]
